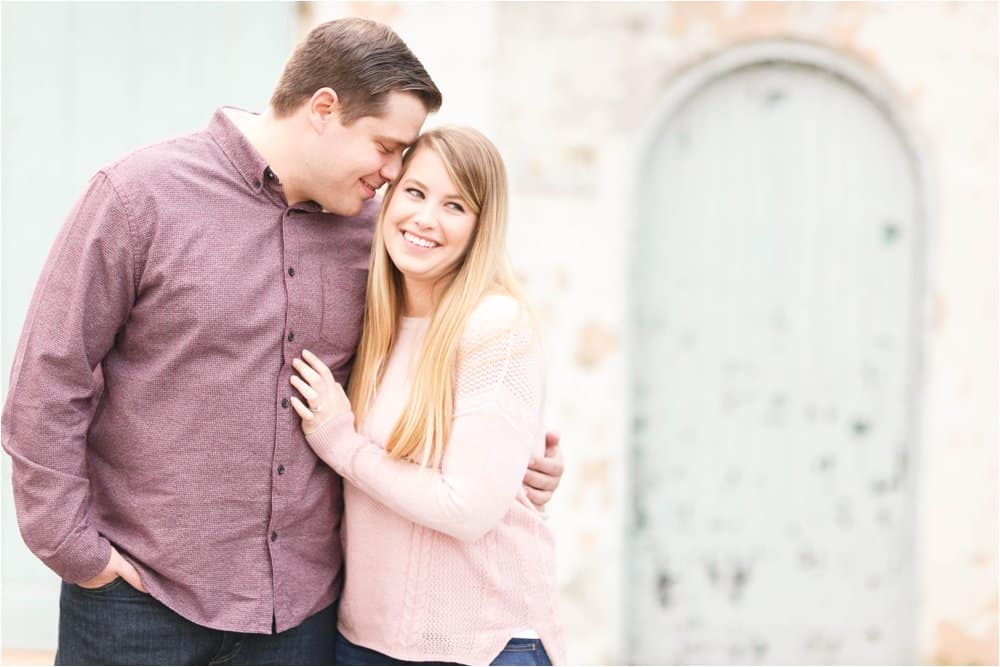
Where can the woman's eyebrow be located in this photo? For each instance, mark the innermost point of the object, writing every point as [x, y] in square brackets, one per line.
[410, 179]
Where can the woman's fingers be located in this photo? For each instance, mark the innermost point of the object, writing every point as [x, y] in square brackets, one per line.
[551, 464]
[317, 364]
[308, 392]
[304, 412]
[325, 397]
[538, 498]
[540, 481]
[307, 372]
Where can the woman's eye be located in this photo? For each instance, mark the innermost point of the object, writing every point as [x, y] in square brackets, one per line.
[413, 192]
[456, 207]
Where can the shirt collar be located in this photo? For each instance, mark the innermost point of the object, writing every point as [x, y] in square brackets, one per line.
[247, 160]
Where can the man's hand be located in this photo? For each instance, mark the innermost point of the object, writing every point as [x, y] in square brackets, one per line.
[116, 567]
[544, 474]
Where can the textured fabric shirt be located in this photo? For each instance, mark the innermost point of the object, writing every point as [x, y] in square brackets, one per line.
[447, 564]
[148, 396]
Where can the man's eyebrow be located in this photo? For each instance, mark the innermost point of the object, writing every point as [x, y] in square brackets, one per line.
[395, 143]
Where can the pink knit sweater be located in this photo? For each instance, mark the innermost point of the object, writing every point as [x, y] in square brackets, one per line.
[448, 564]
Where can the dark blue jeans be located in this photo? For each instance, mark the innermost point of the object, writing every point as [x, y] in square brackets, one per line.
[517, 652]
[118, 625]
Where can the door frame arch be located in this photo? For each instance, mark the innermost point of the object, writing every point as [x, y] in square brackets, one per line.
[681, 87]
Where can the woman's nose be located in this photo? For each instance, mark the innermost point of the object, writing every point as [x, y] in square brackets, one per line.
[425, 216]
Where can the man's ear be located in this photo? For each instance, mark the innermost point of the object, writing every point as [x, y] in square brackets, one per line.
[324, 108]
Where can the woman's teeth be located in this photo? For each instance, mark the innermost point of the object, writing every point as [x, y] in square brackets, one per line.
[416, 240]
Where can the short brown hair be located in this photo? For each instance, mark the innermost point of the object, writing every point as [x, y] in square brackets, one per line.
[363, 61]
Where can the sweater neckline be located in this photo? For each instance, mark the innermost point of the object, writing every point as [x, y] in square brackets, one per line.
[412, 322]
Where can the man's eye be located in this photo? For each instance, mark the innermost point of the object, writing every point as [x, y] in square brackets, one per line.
[382, 148]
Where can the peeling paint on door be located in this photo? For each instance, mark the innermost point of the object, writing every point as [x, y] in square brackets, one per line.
[776, 281]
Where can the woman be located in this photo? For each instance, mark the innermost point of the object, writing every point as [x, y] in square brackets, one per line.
[446, 558]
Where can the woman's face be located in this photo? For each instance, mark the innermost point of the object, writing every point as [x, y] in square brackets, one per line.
[427, 226]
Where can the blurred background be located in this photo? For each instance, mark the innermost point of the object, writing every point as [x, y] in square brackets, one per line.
[762, 239]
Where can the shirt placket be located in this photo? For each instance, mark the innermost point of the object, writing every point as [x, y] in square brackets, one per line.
[293, 275]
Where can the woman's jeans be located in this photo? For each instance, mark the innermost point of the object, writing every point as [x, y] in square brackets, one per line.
[517, 652]
[118, 625]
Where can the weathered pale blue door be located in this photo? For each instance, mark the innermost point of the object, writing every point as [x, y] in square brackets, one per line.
[776, 286]
[83, 83]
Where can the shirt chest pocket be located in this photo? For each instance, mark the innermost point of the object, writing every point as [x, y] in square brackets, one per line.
[343, 309]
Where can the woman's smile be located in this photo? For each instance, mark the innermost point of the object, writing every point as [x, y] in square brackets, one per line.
[419, 241]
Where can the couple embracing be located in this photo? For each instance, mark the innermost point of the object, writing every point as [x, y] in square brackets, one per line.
[257, 416]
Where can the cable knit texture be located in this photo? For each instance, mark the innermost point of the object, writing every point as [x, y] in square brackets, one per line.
[448, 564]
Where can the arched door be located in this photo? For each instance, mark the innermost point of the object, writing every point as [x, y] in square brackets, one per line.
[776, 287]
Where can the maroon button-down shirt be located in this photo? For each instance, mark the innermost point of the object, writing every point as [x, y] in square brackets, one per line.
[148, 396]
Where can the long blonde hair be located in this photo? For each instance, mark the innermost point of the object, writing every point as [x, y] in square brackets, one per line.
[477, 171]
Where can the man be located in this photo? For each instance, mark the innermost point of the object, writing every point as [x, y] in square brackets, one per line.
[148, 419]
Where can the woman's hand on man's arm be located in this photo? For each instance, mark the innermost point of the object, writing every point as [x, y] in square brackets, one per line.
[544, 473]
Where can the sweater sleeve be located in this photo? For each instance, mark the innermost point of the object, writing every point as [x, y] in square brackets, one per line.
[499, 390]
[81, 301]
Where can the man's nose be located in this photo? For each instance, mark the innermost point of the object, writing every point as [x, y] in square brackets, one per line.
[390, 170]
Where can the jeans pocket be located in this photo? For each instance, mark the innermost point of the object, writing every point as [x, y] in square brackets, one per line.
[522, 651]
[111, 585]
[520, 648]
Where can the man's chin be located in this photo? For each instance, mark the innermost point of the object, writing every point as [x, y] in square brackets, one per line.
[343, 209]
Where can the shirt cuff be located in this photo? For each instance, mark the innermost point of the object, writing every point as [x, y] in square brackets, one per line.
[82, 557]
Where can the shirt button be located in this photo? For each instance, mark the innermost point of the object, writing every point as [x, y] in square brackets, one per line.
[291, 271]
[281, 470]
[284, 403]
[291, 337]
[274, 536]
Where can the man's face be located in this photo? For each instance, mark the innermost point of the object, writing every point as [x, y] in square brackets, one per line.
[347, 164]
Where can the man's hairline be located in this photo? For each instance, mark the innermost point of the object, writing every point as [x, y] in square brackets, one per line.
[378, 114]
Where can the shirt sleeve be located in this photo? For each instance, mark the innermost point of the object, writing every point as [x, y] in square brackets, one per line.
[82, 299]
[498, 399]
